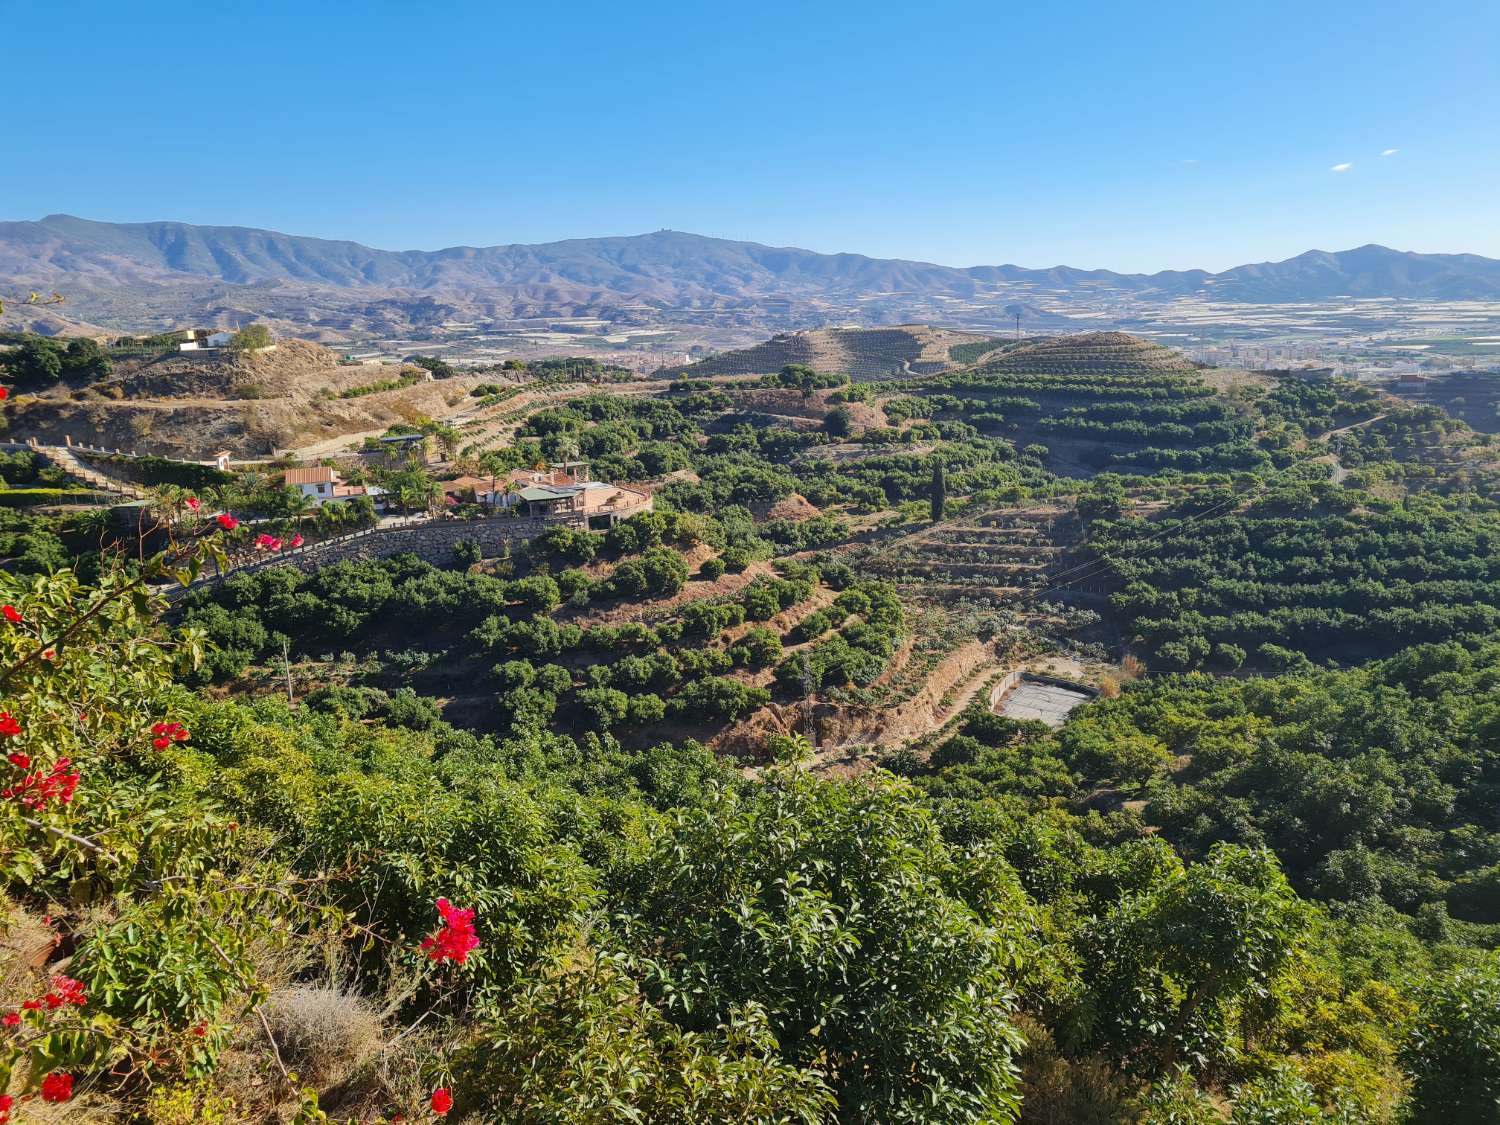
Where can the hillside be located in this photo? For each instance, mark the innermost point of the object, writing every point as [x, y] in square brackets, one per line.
[666, 267]
[1105, 353]
[581, 772]
[189, 405]
[864, 353]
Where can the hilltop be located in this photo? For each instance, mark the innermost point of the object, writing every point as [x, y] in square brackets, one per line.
[1112, 353]
[864, 353]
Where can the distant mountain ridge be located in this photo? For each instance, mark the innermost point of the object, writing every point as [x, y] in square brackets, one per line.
[669, 267]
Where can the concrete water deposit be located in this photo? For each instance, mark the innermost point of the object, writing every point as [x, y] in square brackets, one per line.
[1027, 695]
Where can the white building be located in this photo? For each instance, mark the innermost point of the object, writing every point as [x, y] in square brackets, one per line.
[201, 339]
[317, 483]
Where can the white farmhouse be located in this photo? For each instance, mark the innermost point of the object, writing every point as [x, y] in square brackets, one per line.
[317, 483]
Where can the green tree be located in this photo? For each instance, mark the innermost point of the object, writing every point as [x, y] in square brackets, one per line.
[937, 498]
[1170, 960]
[36, 363]
[85, 357]
[838, 422]
[251, 338]
[586, 1046]
[829, 907]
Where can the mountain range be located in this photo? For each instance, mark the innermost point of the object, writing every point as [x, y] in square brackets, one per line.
[668, 269]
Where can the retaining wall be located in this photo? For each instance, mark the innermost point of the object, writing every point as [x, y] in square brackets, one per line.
[434, 542]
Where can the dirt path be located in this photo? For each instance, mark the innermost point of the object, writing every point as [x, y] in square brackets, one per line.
[1339, 471]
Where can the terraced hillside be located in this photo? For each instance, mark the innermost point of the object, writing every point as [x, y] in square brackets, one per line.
[1102, 401]
[1113, 353]
[863, 353]
[997, 552]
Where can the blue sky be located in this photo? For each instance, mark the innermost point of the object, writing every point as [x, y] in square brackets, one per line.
[1132, 136]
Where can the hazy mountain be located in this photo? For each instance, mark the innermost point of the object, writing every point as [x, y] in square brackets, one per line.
[667, 267]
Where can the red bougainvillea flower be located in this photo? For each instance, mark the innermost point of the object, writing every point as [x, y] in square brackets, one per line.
[35, 790]
[228, 522]
[200, 1029]
[168, 733]
[32, 1005]
[19, 760]
[9, 727]
[442, 1101]
[192, 503]
[268, 542]
[12, 614]
[4, 393]
[57, 1088]
[11, 1019]
[6, 1101]
[296, 541]
[456, 940]
[66, 990]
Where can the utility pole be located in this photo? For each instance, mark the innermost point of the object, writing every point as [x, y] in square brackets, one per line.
[286, 665]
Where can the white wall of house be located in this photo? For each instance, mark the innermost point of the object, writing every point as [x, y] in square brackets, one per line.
[319, 493]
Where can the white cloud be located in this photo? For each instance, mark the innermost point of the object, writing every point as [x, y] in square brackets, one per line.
[1390, 152]
[1191, 160]
[1342, 167]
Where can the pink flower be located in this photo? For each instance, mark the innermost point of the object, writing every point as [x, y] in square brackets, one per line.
[267, 543]
[457, 939]
[192, 503]
[442, 1101]
[296, 541]
[228, 522]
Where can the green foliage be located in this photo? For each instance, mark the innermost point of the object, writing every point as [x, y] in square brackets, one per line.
[831, 907]
[251, 338]
[1453, 1053]
[938, 500]
[40, 361]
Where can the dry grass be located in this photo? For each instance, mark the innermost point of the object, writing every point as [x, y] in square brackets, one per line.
[324, 1034]
[1057, 1090]
[25, 946]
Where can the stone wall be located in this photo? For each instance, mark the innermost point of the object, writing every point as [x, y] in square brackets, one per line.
[434, 542]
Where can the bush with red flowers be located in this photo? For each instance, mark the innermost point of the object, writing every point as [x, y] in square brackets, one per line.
[456, 938]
